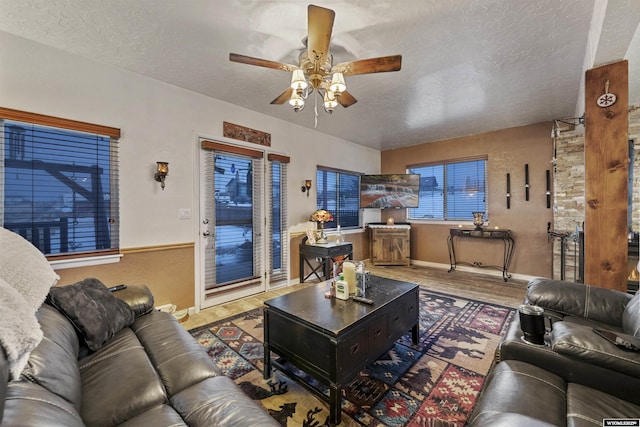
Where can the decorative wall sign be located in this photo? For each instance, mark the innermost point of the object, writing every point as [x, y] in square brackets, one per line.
[606, 99]
[246, 134]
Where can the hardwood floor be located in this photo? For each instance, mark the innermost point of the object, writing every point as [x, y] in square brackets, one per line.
[474, 285]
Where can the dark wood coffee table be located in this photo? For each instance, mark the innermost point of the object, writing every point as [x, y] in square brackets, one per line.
[332, 339]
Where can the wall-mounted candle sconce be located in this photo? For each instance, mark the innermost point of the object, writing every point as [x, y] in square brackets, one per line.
[508, 191]
[526, 182]
[306, 187]
[548, 189]
[162, 170]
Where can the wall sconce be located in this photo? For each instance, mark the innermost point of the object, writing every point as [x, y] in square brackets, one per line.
[162, 170]
[306, 187]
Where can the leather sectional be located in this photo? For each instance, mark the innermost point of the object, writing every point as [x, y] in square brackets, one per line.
[577, 378]
[150, 373]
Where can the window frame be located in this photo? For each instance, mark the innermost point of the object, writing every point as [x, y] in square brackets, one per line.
[71, 259]
[444, 164]
[333, 225]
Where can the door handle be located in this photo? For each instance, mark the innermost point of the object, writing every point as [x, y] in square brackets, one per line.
[206, 233]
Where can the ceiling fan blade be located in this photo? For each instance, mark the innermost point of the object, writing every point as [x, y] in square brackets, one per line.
[242, 59]
[346, 99]
[320, 26]
[372, 65]
[283, 97]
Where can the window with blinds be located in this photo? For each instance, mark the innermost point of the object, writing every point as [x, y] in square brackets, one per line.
[451, 191]
[59, 184]
[278, 226]
[339, 193]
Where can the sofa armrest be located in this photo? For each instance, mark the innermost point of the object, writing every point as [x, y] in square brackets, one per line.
[139, 298]
[576, 299]
[514, 347]
[580, 342]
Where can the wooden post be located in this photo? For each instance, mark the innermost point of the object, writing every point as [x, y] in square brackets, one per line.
[606, 177]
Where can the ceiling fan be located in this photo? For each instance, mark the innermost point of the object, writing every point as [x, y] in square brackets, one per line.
[315, 70]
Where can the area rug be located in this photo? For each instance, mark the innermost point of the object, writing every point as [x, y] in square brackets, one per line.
[433, 383]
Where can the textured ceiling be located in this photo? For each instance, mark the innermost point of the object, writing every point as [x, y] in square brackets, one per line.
[467, 66]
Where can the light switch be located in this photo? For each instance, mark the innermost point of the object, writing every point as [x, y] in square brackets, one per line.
[184, 213]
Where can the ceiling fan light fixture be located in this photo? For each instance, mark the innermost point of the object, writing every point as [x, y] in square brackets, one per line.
[298, 82]
[296, 101]
[337, 84]
[329, 101]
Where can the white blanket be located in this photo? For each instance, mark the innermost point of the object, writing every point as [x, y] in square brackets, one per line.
[25, 280]
[25, 268]
[20, 331]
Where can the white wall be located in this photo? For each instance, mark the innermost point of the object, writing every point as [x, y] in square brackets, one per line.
[160, 122]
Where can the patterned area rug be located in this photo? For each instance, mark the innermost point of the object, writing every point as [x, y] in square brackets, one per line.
[435, 383]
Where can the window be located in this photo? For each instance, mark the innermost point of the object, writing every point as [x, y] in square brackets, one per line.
[451, 191]
[59, 183]
[278, 225]
[339, 193]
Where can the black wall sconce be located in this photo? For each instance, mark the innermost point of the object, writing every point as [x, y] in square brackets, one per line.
[306, 187]
[162, 170]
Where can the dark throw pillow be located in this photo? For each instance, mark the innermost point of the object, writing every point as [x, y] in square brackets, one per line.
[93, 310]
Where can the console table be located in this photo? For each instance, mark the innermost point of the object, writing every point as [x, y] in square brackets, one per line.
[325, 253]
[462, 233]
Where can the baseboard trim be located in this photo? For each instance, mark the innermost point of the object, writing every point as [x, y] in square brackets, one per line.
[495, 273]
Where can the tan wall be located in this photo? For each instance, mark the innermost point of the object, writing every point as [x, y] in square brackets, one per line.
[508, 151]
[168, 271]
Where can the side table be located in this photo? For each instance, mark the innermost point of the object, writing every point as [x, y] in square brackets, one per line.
[326, 253]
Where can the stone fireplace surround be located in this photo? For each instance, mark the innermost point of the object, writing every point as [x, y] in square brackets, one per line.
[569, 192]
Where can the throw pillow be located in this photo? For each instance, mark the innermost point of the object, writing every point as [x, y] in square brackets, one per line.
[93, 310]
[25, 268]
[20, 331]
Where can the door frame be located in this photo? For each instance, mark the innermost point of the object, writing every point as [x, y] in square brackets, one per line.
[254, 286]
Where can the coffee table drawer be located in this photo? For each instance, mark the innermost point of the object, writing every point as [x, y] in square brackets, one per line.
[297, 343]
[404, 316]
[353, 352]
[378, 333]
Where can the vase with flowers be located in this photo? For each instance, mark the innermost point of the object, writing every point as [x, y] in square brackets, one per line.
[320, 217]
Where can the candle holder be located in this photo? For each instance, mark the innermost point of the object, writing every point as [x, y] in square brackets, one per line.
[478, 219]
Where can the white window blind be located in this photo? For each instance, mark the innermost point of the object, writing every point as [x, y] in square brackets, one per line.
[278, 224]
[59, 184]
[451, 191]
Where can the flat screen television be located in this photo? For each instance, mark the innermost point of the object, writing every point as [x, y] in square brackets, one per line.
[389, 191]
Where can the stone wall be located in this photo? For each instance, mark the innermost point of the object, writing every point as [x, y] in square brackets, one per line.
[569, 193]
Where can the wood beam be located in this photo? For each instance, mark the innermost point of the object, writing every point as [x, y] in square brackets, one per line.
[606, 177]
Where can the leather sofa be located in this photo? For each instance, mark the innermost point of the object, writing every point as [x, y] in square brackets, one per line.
[577, 377]
[150, 373]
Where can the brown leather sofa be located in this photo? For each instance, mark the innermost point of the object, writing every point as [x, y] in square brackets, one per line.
[577, 377]
[150, 373]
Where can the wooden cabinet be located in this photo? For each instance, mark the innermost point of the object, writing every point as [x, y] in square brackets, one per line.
[390, 244]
